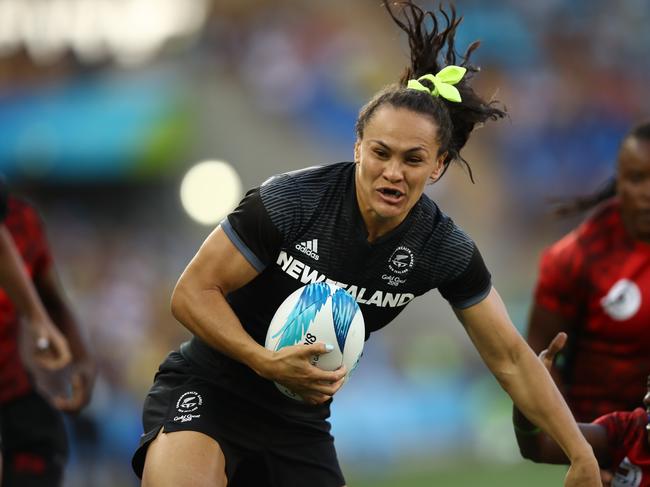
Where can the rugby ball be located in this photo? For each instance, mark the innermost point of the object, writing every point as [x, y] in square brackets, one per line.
[319, 312]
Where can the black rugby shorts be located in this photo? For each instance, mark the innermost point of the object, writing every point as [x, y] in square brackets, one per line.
[261, 448]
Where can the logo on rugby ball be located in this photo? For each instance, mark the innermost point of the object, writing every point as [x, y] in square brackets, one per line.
[311, 300]
[401, 260]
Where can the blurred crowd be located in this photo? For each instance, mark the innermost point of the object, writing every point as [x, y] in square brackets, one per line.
[572, 74]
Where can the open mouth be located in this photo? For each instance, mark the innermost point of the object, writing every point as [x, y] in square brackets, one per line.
[391, 193]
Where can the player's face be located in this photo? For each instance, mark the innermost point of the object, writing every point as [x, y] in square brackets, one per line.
[633, 186]
[396, 157]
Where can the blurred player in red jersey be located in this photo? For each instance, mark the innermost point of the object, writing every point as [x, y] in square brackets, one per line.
[34, 444]
[620, 440]
[594, 284]
[49, 347]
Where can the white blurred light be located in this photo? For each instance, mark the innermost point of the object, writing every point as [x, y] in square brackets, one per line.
[210, 190]
[129, 31]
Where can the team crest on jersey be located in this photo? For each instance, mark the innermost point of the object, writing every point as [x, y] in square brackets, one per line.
[401, 260]
[627, 475]
[622, 301]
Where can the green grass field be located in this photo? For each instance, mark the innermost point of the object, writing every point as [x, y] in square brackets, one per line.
[459, 475]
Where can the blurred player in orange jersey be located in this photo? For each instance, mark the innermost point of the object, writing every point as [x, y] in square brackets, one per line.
[620, 439]
[34, 444]
[594, 284]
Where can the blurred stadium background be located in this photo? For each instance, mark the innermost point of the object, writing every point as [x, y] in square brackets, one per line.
[106, 104]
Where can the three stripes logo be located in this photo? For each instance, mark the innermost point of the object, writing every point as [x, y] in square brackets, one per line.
[310, 248]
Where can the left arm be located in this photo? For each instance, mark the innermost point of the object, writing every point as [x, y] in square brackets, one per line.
[51, 350]
[51, 292]
[523, 376]
[537, 446]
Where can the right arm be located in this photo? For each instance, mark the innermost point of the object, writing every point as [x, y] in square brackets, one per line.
[199, 303]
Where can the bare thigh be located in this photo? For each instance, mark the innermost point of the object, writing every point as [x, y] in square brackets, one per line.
[184, 459]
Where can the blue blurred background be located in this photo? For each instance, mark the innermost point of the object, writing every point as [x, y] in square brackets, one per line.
[106, 104]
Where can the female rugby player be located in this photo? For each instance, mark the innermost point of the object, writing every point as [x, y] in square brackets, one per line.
[213, 416]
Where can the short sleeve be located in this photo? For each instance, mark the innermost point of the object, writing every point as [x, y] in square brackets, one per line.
[622, 429]
[282, 197]
[613, 424]
[271, 215]
[250, 229]
[471, 286]
[28, 231]
[558, 286]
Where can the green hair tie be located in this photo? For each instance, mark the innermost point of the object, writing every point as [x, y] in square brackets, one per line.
[442, 83]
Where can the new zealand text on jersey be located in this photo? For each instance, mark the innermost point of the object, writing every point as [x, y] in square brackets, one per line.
[305, 274]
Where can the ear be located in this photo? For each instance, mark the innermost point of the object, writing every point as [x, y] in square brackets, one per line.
[357, 151]
[439, 167]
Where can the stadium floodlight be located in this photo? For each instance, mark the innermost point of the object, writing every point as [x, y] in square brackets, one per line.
[209, 191]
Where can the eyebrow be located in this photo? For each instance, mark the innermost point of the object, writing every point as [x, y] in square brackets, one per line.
[412, 149]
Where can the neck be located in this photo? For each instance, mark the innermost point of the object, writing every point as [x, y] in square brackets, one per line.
[376, 226]
[375, 233]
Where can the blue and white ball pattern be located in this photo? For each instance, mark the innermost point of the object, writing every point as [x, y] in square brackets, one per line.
[319, 312]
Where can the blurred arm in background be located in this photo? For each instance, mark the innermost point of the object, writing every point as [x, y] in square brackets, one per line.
[543, 326]
[83, 366]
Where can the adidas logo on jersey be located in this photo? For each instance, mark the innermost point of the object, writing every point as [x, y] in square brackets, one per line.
[310, 248]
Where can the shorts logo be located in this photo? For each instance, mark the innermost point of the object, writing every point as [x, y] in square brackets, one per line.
[622, 301]
[401, 260]
[188, 403]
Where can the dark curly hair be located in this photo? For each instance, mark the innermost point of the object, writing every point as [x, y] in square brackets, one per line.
[432, 48]
[607, 189]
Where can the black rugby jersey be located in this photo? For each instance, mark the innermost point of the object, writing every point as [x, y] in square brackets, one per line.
[306, 226]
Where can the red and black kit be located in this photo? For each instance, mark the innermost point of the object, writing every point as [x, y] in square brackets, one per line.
[599, 279]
